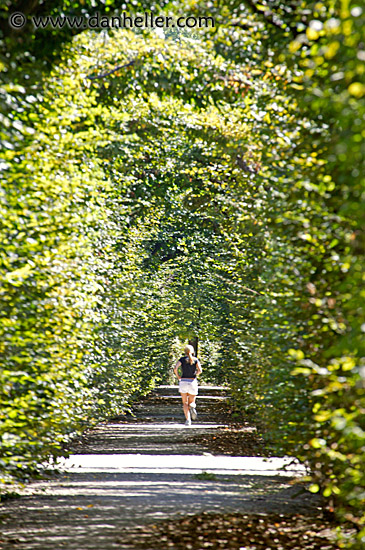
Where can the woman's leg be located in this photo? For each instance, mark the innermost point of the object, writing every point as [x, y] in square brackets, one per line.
[191, 399]
[192, 406]
[184, 397]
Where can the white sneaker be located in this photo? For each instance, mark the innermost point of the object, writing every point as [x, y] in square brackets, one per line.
[193, 413]
[187, 422]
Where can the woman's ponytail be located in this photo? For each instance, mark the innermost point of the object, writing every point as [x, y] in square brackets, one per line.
[189, 350]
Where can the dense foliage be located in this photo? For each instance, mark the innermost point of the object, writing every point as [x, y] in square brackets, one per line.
[211, 188]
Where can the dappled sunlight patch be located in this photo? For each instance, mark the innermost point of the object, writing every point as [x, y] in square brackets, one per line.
[182, 464]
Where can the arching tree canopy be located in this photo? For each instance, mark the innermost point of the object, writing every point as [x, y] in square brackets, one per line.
[210, 189]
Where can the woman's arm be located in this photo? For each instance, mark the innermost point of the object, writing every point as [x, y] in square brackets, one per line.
[198, 368]
[178, 364]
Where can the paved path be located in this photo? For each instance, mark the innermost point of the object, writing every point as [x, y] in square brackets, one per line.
[135, 470]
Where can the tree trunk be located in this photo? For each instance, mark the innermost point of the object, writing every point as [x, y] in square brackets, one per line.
[195, 341]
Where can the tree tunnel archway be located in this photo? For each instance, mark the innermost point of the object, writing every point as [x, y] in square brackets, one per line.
[208, 188]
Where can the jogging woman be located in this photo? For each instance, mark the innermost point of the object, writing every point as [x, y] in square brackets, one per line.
[188, 384]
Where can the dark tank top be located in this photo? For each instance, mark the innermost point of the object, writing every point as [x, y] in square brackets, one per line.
[188, 370]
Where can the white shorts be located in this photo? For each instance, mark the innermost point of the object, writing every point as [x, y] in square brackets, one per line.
[188, 387]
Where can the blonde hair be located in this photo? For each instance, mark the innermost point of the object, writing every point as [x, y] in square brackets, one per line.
[189, 350]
